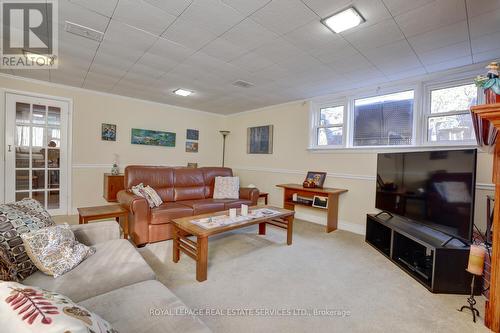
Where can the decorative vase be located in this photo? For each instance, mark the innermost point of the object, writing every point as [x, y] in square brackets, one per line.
[115, 170]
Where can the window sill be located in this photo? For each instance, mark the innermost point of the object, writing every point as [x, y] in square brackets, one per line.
[391, 149]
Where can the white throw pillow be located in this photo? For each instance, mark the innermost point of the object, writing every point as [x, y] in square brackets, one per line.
[227, 188]
[25, 309]
[148, 193]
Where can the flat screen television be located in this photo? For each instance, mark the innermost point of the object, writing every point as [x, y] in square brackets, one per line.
[435, 188]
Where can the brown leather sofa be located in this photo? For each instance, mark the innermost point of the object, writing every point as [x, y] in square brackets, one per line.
[184, 191]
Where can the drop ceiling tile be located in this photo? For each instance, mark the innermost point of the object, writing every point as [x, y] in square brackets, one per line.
[398, 7]
[99, 81]
[212, 15]
[485, 43]
[282, 16]
[316, 39]
[491, 55]
[431, 16]
[349, 64]
[110, 61]
[67, 77]
[342, 50]
[134, 39]
[457, 62]
[249, 34]
[278, 50]
[443, 54]
[69, 11]
[485, 23]
[478, 7]
[120, 52]
[37, 74]
[171, 50]
[395, 57]
[150, 63]
[406, 74]
[174, 7]
[251, 62]
[224, 50]
[447, 35]
[111, 70]
[373, 36]
[185, 33]
[142, 15]
[246, 7]
[98, 6]
[274, 73]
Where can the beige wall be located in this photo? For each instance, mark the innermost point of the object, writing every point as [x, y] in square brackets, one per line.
[91, 157]
[291, 160]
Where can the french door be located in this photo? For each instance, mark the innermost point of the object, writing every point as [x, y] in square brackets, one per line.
[36, 153]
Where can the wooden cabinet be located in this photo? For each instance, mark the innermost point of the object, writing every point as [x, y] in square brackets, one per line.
[112, 184]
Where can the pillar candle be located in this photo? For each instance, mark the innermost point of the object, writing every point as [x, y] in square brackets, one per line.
[476, 259]
[244, 210]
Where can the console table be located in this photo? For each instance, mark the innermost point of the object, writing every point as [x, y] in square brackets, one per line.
[331, 193]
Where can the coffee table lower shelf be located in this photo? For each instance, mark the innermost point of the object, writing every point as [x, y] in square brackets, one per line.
[198, 250]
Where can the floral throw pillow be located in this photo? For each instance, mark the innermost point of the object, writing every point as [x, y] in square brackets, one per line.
[227, 188]
[18, 218]
[54, 250]
[32, 309]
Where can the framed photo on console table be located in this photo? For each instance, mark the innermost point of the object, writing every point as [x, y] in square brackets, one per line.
[320, 202]
[318, 178]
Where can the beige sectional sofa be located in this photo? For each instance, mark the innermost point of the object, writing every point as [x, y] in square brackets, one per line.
[117, 284]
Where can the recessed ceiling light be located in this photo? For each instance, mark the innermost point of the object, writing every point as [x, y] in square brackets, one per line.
[182, 92]
[344, 20]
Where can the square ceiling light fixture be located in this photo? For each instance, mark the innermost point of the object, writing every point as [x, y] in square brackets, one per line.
[182, 92]
[343, 20]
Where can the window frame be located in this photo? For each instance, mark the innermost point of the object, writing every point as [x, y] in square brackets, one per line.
[315, 123]
[426, 112]
[382, 92]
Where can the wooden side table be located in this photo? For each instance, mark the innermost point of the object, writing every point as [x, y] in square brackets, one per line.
[112, 185]
[102, 212]
[264, 195]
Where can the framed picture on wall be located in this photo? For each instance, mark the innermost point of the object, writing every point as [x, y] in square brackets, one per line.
[191, 147]
[108, 132]
[192, 134]
[260, 140]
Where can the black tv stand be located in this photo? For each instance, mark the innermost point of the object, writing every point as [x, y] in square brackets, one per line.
[452, 238]
[384, 212]
[432, 258]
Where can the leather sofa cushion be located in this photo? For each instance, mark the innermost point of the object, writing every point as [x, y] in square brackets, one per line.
[168, 211]
[189, 184]
[115, 264]
[209, 174]
[136, 301]
[235, 203]
[159, 178]
[204, 206]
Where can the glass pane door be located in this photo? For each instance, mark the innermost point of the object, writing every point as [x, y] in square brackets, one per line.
[36, 162]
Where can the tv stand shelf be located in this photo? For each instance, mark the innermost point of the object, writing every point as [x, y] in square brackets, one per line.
[418, 250]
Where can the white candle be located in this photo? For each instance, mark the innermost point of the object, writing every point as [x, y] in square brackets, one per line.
[244, 210]
[232, 212]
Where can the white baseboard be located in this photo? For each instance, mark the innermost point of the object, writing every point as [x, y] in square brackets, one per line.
[342, 225]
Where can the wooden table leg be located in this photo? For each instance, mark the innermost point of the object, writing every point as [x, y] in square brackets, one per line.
[265, 199]
[125, 226]
[175, 245]
[80, 219]
[333, 213]
[202, 258]
[262, 228]
[289, 230]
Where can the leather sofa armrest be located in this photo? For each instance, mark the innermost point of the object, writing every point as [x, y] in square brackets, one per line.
[133, 203]
[249, 193]
[95, 233]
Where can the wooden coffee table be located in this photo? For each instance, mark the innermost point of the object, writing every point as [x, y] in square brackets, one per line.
[198, 250]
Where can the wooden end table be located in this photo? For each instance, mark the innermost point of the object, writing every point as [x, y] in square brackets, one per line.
[117, 212]
[198, 250]
[264, 195]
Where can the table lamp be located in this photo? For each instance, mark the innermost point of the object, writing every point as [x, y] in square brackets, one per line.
[475, 267]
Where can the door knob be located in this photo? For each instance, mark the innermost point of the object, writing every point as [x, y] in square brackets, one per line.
[10, 148]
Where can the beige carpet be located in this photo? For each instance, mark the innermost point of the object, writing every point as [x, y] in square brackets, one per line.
[336, 271]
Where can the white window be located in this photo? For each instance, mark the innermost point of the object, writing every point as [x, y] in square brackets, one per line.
[384, 120]
[329, 125]
[447, 116]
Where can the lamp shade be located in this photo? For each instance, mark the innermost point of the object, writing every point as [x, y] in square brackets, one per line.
[476, 259]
